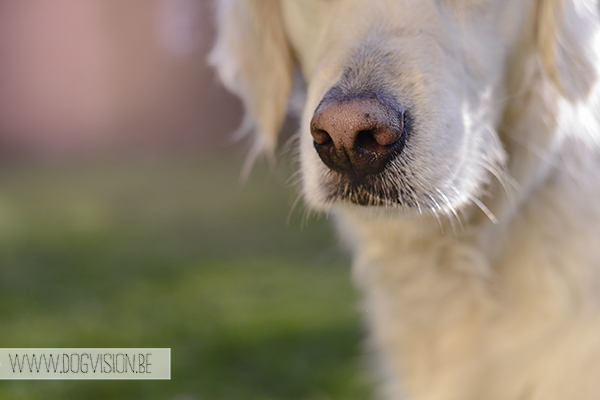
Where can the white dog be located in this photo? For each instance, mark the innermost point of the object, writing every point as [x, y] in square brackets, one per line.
[457, 144]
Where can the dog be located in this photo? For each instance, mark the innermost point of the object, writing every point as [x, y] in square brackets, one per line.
[456, 144]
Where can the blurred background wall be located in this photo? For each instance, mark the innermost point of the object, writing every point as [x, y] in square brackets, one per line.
[90, 77]
[106, 243]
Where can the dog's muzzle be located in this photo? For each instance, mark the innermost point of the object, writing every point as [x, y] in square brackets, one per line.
[358, 135]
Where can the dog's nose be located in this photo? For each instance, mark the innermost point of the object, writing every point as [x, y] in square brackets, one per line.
[358, 135]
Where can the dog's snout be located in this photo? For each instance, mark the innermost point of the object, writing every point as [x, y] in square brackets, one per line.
[358, 135]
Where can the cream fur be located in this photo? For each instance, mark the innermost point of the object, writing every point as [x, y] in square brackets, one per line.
[488, 286]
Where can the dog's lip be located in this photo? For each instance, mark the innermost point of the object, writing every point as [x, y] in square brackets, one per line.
[370, 191]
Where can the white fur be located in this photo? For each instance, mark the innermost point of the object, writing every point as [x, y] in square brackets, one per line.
[487, 287]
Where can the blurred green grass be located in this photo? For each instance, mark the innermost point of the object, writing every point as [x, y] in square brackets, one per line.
[177, 253]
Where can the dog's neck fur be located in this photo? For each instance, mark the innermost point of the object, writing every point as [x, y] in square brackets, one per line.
[448, 292]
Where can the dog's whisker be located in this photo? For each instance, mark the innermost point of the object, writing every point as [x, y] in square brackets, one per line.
[291, 144]
[436, 211]
[293, 207]
[491, 163]
[290, 182]
[296, 183]
[484, 208]
[418, 203]
[508, 184]
[304, 219]
[452, 211]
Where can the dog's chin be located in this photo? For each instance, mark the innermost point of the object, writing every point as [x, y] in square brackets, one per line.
[390, 192]
[370, 191]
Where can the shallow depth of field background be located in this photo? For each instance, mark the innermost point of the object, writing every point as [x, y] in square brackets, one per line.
[123, 222]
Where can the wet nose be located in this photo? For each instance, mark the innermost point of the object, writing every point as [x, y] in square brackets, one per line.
[358, 135]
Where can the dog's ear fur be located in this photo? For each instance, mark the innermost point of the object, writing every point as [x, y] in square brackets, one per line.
[565, 37]
[254, 61]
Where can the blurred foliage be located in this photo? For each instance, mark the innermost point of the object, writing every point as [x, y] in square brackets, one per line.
[177, 253]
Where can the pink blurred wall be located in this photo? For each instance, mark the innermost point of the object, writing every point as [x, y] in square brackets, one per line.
[91, 76]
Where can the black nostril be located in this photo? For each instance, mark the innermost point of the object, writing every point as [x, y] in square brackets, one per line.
[365, 140]
[321, 136]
